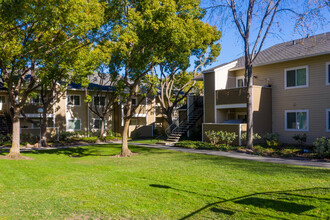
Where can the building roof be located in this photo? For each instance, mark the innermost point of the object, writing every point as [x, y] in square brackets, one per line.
[291, 50]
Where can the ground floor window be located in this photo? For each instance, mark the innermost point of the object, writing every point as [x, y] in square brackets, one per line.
[296, 120]
[97, 123]
[74, 124]
[328, 120]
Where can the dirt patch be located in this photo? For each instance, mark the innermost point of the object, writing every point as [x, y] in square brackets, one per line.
[15, 157]
[129, 155]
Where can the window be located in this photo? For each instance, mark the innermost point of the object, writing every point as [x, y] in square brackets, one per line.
[296, 77]
[296, 120]
[97, 123]
[74, 124]
[134, 101]
[73, 100]
[2, 100]
[328, 120]
[327, 72]
[239, 82]
[99, 100]
[35, 100]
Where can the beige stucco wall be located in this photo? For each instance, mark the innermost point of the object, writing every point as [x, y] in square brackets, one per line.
[315, 97]
[209, 98]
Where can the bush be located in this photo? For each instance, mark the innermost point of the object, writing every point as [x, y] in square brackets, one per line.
[65, 135]
[113, 134]
[301, 139]
[256, 136]
[3, 138]
[29, 138]
[322, 147]
[89, 139]
[212, 136]
[289, 152]
[271, 139]
[221, 137]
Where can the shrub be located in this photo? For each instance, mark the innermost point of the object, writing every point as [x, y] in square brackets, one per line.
[271, 139]
[256, 136]
[3, 138]
[301, 139]
[289, 152]
[65, 135]
[29, 138]
[322, 146]
[113, 134]
[221, 137]
[89, 139]
[227, 137]
[212, 136]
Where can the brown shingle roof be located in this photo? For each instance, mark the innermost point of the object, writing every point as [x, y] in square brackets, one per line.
[291, 50]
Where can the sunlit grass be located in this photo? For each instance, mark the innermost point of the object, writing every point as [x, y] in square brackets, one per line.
[87, 182]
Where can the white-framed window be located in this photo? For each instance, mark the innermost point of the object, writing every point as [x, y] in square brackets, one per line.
[2, 99]
[296, 77]
[73, 100]
[240, 82]
[296, 120]
[97, 123]
[36, 100]
[133, 121]
[328, 119]
[327, 72]
[74, 124]
[134, 101]
[99, 100]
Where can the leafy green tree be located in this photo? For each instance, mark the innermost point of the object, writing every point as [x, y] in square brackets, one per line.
[146, 34]
[34, 32]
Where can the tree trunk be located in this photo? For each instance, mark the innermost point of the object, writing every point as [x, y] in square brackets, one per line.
[102, 128]
[14, 152]
[125, 152]
[43, 128]
[169, 119]
[249, 138]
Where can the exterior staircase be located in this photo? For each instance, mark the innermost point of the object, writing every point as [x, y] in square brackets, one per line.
[180, 130]
[5, 124]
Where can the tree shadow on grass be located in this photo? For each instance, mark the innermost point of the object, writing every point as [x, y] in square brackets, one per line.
[91, 150]
[281, 204]
[275, 204]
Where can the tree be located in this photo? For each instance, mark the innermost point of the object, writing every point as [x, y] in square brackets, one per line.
[145, 34]
[33, 32]
[175, 83]
[105, 96]
[254, 20]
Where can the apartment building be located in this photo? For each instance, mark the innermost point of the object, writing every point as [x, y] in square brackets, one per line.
[72, 113]
[291, 91]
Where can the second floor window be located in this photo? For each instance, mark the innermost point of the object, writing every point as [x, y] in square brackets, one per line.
[134, 101]
[296, 77]
[99, 100]
[239, 82]
[73, 100]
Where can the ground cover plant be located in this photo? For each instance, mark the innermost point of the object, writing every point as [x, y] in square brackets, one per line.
[88, 182]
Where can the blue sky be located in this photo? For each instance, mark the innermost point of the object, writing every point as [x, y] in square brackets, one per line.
[232, 44]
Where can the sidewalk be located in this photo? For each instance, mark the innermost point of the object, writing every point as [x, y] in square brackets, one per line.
[240, 156]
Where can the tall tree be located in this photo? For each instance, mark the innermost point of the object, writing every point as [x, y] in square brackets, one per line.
[32, 31]
[144, 34]
[253, 20]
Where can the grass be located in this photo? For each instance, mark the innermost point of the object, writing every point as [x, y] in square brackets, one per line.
[86, 182]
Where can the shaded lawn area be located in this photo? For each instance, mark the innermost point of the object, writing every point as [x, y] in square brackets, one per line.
[86, 182]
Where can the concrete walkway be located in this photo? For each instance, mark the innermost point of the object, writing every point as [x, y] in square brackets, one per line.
[240, 156]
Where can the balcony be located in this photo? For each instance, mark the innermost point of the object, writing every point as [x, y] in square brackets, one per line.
[238, 95]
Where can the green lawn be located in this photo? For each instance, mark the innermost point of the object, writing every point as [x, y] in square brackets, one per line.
[86, 182]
